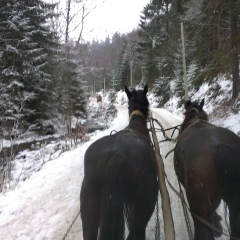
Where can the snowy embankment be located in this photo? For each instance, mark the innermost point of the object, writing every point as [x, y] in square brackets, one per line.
[44, 206]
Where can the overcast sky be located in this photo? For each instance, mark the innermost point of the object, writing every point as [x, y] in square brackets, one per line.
[109, 17]
[113, 16]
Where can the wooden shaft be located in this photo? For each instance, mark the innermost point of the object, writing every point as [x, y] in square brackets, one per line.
[166, 207]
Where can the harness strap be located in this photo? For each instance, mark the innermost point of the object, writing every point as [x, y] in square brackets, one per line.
[136, 112]
[195, 109]
[185, 212]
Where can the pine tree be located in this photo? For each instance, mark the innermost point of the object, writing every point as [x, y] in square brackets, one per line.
[111, 111]
[210, 46]
[123, 69]
[78, 90]
[11, 66]
[157, 45]
[27, 47]
[70, 91]
[38, 55]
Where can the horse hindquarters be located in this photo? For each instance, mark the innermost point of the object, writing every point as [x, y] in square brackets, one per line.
[118, 183]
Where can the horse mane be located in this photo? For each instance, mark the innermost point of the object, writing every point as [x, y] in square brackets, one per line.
[194, 110]
[139, 101]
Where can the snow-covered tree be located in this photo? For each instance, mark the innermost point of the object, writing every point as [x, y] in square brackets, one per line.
[70, 88]
[27, 53]
[156, 45]
[11, 66]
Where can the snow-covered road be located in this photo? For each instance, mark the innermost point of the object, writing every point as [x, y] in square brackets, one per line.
[44, 206]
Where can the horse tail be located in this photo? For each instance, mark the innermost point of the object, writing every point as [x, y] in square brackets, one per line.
[112, 203]
[228, 167]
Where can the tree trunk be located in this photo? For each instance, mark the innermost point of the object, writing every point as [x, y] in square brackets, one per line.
[67, 20]
[234, 46]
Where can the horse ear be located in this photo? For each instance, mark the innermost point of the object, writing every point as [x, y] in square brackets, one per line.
[202, 103]
[129, 94]
[145, 89]
[187, 104]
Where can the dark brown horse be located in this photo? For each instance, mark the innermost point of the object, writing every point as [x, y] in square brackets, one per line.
[120, 179]
[207, 163]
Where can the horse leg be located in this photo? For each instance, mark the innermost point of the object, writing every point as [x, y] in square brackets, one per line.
[137, 225]
[201, 210]
[139, 216]
[203, 206]
[202, 232]
[216, 221]
[234, 215]
[90, 211]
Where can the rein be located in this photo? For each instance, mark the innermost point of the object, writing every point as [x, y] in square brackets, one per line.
[70, 227]
[164, 130]
[174, 128]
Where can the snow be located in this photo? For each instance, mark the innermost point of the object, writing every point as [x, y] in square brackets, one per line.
[45, 200]
[44, 205]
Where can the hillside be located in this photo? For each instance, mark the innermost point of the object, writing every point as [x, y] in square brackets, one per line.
[218, 104]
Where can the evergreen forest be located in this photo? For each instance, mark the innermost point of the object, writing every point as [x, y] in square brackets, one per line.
[46, 77]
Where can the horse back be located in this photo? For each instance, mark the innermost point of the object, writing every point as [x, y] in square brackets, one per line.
[209, 150]
[131, 153]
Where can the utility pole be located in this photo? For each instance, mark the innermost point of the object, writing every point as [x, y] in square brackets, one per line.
[184, 64]
[104, 86]
[113, 80]
[131, 79]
